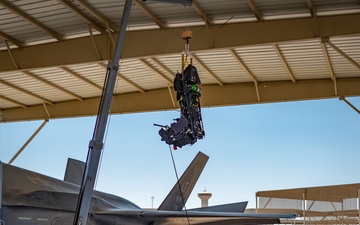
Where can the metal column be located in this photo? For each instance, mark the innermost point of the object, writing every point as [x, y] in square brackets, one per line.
[96, 144]
[358, 206]
[1, 184]
[256, 202]
[304, 207]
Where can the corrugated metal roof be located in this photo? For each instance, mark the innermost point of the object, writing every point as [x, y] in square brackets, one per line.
[25, 23]
[332, 193]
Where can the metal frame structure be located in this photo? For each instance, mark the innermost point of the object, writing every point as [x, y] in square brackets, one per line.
[250, 51]
[338, 204]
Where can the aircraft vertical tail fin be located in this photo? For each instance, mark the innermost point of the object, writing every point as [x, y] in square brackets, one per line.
[176, 199]
[74, 171]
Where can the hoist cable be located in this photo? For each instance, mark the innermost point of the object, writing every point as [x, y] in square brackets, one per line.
[178, 183]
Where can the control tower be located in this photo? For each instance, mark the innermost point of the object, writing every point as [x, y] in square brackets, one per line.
[204, 196]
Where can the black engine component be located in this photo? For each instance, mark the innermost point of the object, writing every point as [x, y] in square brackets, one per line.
[189, 127]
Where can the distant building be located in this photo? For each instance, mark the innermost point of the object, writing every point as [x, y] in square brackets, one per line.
[204, 196]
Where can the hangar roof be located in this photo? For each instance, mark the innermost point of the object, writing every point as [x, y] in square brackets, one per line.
[334, 204]
[53, 53]
[333, 193]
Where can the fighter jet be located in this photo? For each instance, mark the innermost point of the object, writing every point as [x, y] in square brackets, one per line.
[30, 198]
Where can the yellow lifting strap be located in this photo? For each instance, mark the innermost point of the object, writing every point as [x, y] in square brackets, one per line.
[186, 35]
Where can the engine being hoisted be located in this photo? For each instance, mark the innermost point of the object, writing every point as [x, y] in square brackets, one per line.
[189, 127]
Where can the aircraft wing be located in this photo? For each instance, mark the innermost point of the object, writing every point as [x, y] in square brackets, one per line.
[238, 207]
[159, 217]
[218, 218]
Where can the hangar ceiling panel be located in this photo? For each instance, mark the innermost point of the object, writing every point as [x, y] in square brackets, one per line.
[53, 54]
[307, 53]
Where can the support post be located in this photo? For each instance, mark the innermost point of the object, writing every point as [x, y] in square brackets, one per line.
[96, 144]
[27, 142]
[256, 202]
[1, 184]
[358, 215]
[304, 206]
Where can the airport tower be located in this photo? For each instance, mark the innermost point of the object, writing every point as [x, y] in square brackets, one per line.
[204, 196]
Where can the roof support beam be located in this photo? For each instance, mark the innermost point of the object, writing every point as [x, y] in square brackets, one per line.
[53, 85]
[150, 67]
[326, 40]
[212, 95]
[81, 15]
[98, 15]
[13, 101]
[255, 10]
[247, 71]
[94, 43]
[327, 58]
[283, 61]
[150, 14]
[311, 7]
[343, 54]
[46, 110]
[211, 73]
[11, 39]
[67, 70]
[328, 63]
[126, 80]
[157, 62]
[242, 64]
[131, 83]
[28, 141]
[351, 105]
[25, 91]
[201, 13]
[80, 50]
[30, 20]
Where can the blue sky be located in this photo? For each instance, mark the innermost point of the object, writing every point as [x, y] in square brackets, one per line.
[251, 148]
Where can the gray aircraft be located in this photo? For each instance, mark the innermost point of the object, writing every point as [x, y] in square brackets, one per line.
[30, 198]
